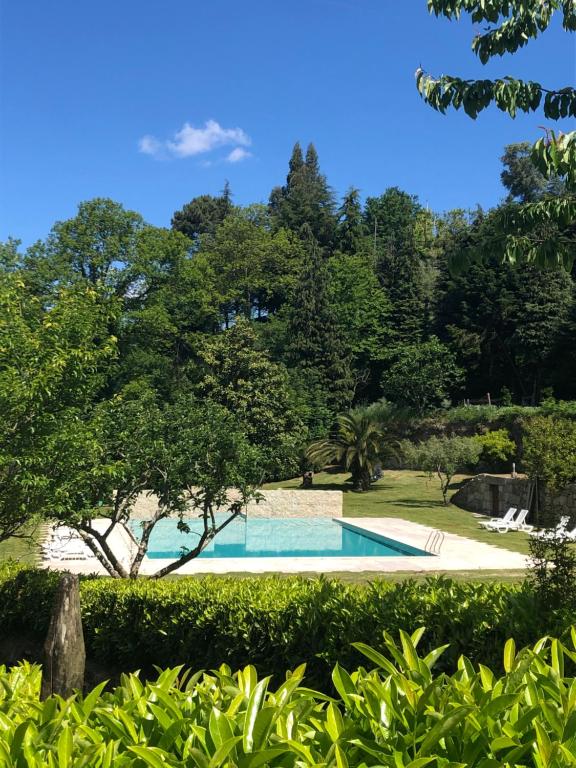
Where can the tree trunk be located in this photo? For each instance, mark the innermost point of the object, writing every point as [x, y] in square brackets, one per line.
[64, 652]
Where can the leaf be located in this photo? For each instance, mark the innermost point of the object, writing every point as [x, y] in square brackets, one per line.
[443, 727]
[509, 654]
[254, 703]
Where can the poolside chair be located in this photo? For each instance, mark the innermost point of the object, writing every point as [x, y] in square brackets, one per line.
[557, 532]
[513, 524]
[499, 520]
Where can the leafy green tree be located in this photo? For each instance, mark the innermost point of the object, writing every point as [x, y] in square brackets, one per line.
[192, 458]
[240, 376]
[255, 269]
[314, 343]
[421, 375]
[98, 246]
[351, 230]
[358, 444]
[174, 304]
[203, 215]
[539, 232]
[497, 448]
[443, 457]
[400, 252]
[363, 311]
[305, 199]
[53, 365]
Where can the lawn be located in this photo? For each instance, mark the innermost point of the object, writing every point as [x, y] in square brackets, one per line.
[411, 496]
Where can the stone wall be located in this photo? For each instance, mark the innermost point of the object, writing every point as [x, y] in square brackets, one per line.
[493, 494]
[280, 503]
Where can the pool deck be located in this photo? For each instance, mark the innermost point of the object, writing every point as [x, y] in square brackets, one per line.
[457, 553]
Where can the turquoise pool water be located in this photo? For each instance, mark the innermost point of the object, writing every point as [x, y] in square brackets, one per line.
[275, 537]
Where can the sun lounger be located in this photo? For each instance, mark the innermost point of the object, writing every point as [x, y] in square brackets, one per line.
[558, 532]
[512, 524]
[499, 520]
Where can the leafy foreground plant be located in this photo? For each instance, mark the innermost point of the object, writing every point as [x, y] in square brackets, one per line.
[399, 714]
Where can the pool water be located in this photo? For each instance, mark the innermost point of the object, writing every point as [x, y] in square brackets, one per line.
[274, 537]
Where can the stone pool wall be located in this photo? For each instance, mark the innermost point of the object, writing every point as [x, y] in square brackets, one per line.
[493, 494]
[280, 503]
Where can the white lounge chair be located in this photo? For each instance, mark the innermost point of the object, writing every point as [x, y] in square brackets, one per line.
[558, 532]
[513, 524]
[519, 523]
[498, 520]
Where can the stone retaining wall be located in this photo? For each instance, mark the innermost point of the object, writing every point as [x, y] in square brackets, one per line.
[494, 494]
[280, 503]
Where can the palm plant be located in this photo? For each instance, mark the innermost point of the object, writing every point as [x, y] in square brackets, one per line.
[358, 444]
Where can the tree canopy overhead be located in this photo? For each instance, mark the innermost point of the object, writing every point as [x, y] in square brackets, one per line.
[541, 231]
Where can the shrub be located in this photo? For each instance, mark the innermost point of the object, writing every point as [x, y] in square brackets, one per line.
[273, 623]
[497, 447]
[394, 711]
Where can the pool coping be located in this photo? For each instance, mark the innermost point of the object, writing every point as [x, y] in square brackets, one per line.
[457, 553]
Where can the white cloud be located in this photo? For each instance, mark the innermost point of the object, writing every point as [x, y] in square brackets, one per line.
[149, 145]
[237, 155]
[190, 141]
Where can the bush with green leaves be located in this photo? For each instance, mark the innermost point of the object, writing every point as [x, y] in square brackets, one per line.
[497, 448]
[394, 710]
[271, 622]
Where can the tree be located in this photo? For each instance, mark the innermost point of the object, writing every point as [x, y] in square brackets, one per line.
[239, 376]
[549, 450]
[358, 444]
[98, 246]
[540, 232]
[203, 215]
[192, 458]
[363, 309]
[314, 342]
[520, 176]
[443, 457]
[351, 231]
[53, 365]
[254, 268]
[306, 198]
[421, 375]
[400, 254]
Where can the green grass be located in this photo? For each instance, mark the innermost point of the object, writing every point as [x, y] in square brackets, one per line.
[21, 550]
[411, 496]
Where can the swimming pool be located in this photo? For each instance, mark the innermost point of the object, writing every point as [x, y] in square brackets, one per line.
[275, 537]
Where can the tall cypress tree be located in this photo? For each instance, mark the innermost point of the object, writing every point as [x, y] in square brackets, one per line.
[306, 198]
[315, 346]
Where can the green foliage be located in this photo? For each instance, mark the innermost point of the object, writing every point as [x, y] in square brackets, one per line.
[497, 447]
[397, 710]
[444, 457]
[242, 378]
[305, 199]
[359, 443]
[53, 364]
[203, 215]
[523, 234]
[274, 622]
[550, 450]
[421, 375]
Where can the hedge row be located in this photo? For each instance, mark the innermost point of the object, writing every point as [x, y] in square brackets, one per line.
[393, 711]
[274, 623]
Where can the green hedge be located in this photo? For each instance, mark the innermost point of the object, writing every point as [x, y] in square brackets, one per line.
[271, 622]
[395, 710]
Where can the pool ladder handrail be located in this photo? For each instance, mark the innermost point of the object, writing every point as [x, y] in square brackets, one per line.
[434, 542]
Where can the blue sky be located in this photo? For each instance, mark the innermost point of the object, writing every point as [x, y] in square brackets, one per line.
[219, 90]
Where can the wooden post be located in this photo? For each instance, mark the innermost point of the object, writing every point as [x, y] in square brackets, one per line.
[64, 651]
[489, 398]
